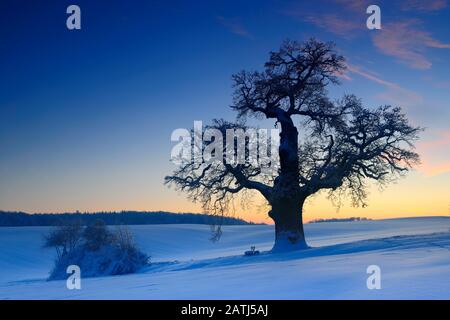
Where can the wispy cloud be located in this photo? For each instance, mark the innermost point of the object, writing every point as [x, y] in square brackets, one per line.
[235, 26]
[434, 152]
[394, 94]
[343, 22]
[405, 5]
[370, 75]
[334, 23]
[355, 5]
[404, 41]
[421, 5]
[434, 159]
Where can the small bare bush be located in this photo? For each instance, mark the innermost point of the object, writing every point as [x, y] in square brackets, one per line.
[96, 250]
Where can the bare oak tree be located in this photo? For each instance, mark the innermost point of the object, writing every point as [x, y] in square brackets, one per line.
[340, 146]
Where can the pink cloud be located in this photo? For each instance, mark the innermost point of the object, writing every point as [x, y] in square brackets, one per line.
[434, 154]
[405, 42]
[421, 5]
[443, 140]
[235, 27]
[394, 94]
[370, 75]
[355, 5]
[342, 22]
[434, 169]
[335, 24]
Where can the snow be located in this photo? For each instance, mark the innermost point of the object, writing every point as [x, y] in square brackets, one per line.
[413, 254]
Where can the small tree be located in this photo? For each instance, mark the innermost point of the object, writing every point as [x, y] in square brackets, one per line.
[324, 144]
[64, 237]
[96, 235]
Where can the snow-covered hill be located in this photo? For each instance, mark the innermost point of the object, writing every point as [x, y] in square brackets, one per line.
[413, 254]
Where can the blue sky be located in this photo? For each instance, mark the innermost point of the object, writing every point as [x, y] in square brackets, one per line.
[86, 115]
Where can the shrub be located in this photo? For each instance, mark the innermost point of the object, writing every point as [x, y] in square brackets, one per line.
[99, 253]
[96, 235]
[64, 238]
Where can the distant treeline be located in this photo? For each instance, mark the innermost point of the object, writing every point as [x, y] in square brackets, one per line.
[17, 219]
[340, 219]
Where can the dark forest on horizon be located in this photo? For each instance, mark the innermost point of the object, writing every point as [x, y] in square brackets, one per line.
[16, 219]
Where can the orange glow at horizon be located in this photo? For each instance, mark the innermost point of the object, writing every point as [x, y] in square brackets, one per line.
[414, 195]
[417, 194]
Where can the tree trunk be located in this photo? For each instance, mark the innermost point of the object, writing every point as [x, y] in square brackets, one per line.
[289, 234]
[287, 200]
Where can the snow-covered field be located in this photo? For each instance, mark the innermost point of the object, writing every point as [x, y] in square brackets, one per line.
[413, 254]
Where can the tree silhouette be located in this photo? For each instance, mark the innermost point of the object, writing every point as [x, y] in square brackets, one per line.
[341, 144]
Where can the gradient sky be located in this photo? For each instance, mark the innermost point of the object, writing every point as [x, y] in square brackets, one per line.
[86, 116]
